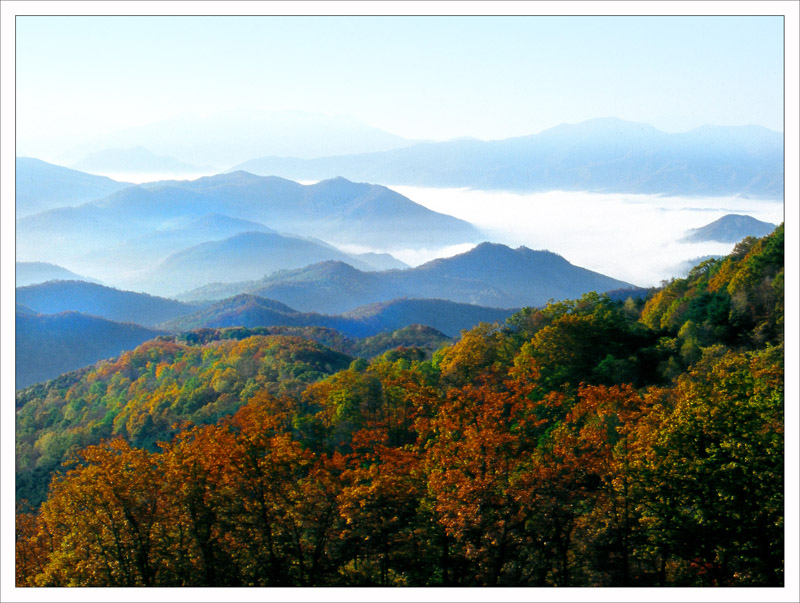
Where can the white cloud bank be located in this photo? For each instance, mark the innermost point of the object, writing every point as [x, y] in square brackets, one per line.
[635, 238]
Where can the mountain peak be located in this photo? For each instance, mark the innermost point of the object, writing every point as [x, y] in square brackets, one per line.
[251, 300]
[340, 183]
[730, 228]
[500, 251]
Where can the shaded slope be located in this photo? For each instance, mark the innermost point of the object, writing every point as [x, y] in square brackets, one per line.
[525, 276]
[446, 317]
[104, 302]
[49, 345]
[330, 287]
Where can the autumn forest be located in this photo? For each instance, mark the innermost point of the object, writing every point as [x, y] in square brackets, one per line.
[591, 442]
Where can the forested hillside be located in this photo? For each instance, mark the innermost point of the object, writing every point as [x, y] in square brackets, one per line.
[253, 311]
[590, 442]
[143, 394]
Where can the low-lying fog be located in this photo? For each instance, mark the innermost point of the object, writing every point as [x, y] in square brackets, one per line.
[635, 238]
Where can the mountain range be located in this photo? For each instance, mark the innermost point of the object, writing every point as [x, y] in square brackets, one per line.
[265, 252]
[134, 225]
[606, 155]
[147, 250]
[488, 275]
[448, 295]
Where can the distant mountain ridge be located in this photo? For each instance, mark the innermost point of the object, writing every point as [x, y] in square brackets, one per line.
[41, 186]
[152, 247]
[336, 211]
[489, 275]
[231, 137]
[600, 155]
[31, 273]
[242, 256]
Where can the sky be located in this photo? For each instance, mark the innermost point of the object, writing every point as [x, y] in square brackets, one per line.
[418, 77]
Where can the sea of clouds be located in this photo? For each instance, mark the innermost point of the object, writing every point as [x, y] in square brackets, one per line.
[635, 238]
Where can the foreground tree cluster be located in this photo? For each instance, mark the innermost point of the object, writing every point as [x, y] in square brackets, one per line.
[588, 443]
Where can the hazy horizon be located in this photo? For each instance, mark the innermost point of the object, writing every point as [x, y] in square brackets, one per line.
[75, 157]
[419, 78]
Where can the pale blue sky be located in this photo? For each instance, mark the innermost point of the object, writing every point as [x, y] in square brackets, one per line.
[418, 77]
